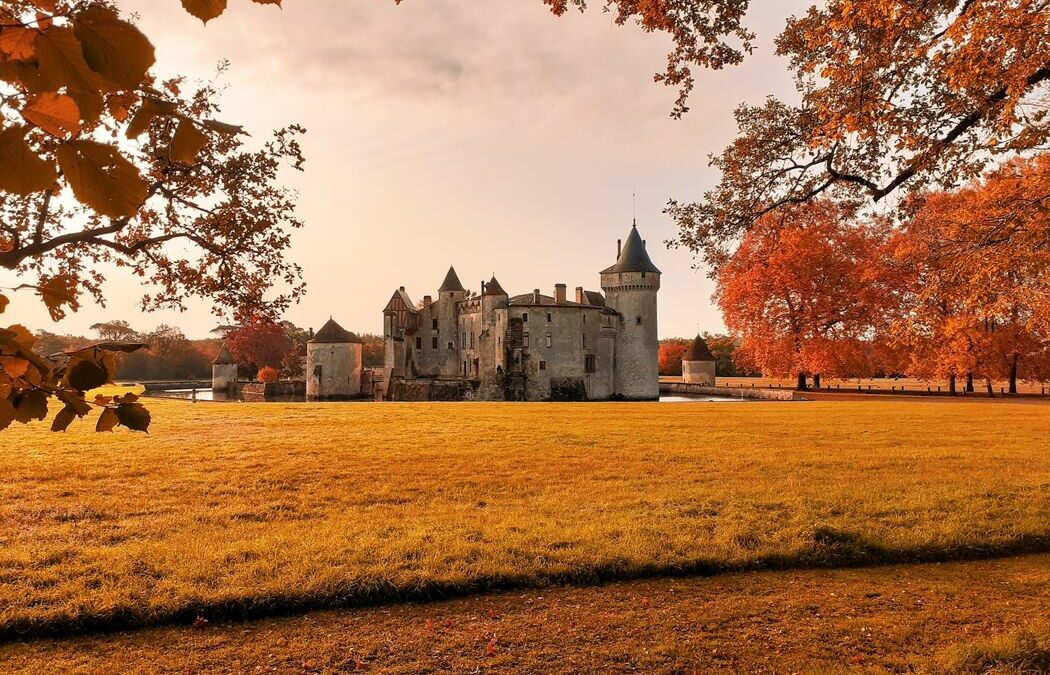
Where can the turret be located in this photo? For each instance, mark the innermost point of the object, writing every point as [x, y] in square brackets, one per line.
[630, 287]
[698, 364]
[333, 363]
[224, 371]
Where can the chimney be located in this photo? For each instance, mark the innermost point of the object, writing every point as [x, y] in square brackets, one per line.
[559, 293]
[579, 294]
[427, 301]
[402, 289]
[618, 242]
[643, 243]
[536, 296]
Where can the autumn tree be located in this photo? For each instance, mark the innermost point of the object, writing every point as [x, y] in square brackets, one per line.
[895, 97]
[801, 296]
[259, 344]
[670, 355]
[979, 276]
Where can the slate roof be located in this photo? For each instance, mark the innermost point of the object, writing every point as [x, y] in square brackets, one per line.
[333, 333]
[451, 282]
[405, 300]
[224, 357]
[594, 298]
[530, 300]
[698, 351]
[493, 288]
[633, 256]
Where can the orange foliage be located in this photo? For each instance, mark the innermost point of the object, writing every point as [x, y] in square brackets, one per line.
[267, 374]
[671, 352]
[803, 295]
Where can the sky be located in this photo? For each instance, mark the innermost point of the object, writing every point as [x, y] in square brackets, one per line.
[491, 136]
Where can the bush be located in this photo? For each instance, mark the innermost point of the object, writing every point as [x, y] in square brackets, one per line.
[267, 374]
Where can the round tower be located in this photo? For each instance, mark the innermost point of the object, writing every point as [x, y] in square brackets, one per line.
[333, 364]
[450, 294]
[224, 371]
[698, 364]
[630, 288]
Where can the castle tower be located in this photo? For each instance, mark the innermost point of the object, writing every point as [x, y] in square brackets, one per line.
[450, 294]
[698, 364]
[333, 363]
[224, 371]
[630, 288]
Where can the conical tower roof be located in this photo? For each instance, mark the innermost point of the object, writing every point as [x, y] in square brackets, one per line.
[224, 357]
[333, 333]
[633, 256]
[493, 288]
[451, 282]
[698, 351]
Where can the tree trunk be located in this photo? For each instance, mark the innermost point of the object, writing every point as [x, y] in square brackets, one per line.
[969, 382]
[816, 381]
[951, 384]
[801, 386]
[1013, 374]
[988, 382]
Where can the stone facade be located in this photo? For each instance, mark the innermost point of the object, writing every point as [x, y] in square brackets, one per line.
[532, 346]
[333, 364]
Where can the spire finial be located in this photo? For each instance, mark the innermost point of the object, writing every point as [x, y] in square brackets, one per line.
[634, 208]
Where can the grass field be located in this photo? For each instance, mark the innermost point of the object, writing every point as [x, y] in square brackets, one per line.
[958, 618]
[249, 509]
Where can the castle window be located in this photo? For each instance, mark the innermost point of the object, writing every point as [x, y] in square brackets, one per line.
[525, 340]
[585, 318]
[434, 324]
[590, 363]
[549, 317]
[434, 342]
[643, 275]
[638, 320]
[419, 343]
[543, 365]
[548, 340]
[451, 345]
[584, 340]
[524, 317]
[472, 339]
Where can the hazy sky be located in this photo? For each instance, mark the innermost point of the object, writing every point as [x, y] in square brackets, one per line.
[489, 135]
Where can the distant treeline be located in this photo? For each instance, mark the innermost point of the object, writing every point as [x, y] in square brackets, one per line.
[173, 356]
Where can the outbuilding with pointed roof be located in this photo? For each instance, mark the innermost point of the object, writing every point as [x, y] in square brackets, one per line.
[698, 363]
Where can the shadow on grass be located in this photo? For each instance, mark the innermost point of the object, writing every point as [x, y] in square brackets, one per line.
[829, 548]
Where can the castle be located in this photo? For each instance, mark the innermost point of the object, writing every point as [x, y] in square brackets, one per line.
[495, 346]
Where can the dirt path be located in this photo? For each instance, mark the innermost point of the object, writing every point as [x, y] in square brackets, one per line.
[894, 617]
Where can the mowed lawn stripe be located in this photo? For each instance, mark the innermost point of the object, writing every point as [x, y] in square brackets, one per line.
[241, 510]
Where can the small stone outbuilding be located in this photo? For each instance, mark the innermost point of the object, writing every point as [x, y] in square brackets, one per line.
[224, 371]
[333, 364]
[698, 364]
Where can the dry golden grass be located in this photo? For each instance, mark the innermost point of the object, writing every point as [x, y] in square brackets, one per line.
[956, 618]
[247, 509]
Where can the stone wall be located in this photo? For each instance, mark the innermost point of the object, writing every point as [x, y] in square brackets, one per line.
[699, 372]
[285, 390]
[399, 389]
[685, 389]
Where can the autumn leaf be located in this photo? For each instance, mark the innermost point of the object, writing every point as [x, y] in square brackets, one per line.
[74, 401]
[57, 291]
[62, 62]
[63, 419]
[223, 128]
[113, 48]
[3, 302]
[150, 108]
[57, 114]
[107, 420]
[13, 365]
[205, 10]
[17, 43]
[187, 143]
[134, 416]
[102, 178]
[90, 104]
[22, 171]
[7, 413]
[85, 373]
[32, 405]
